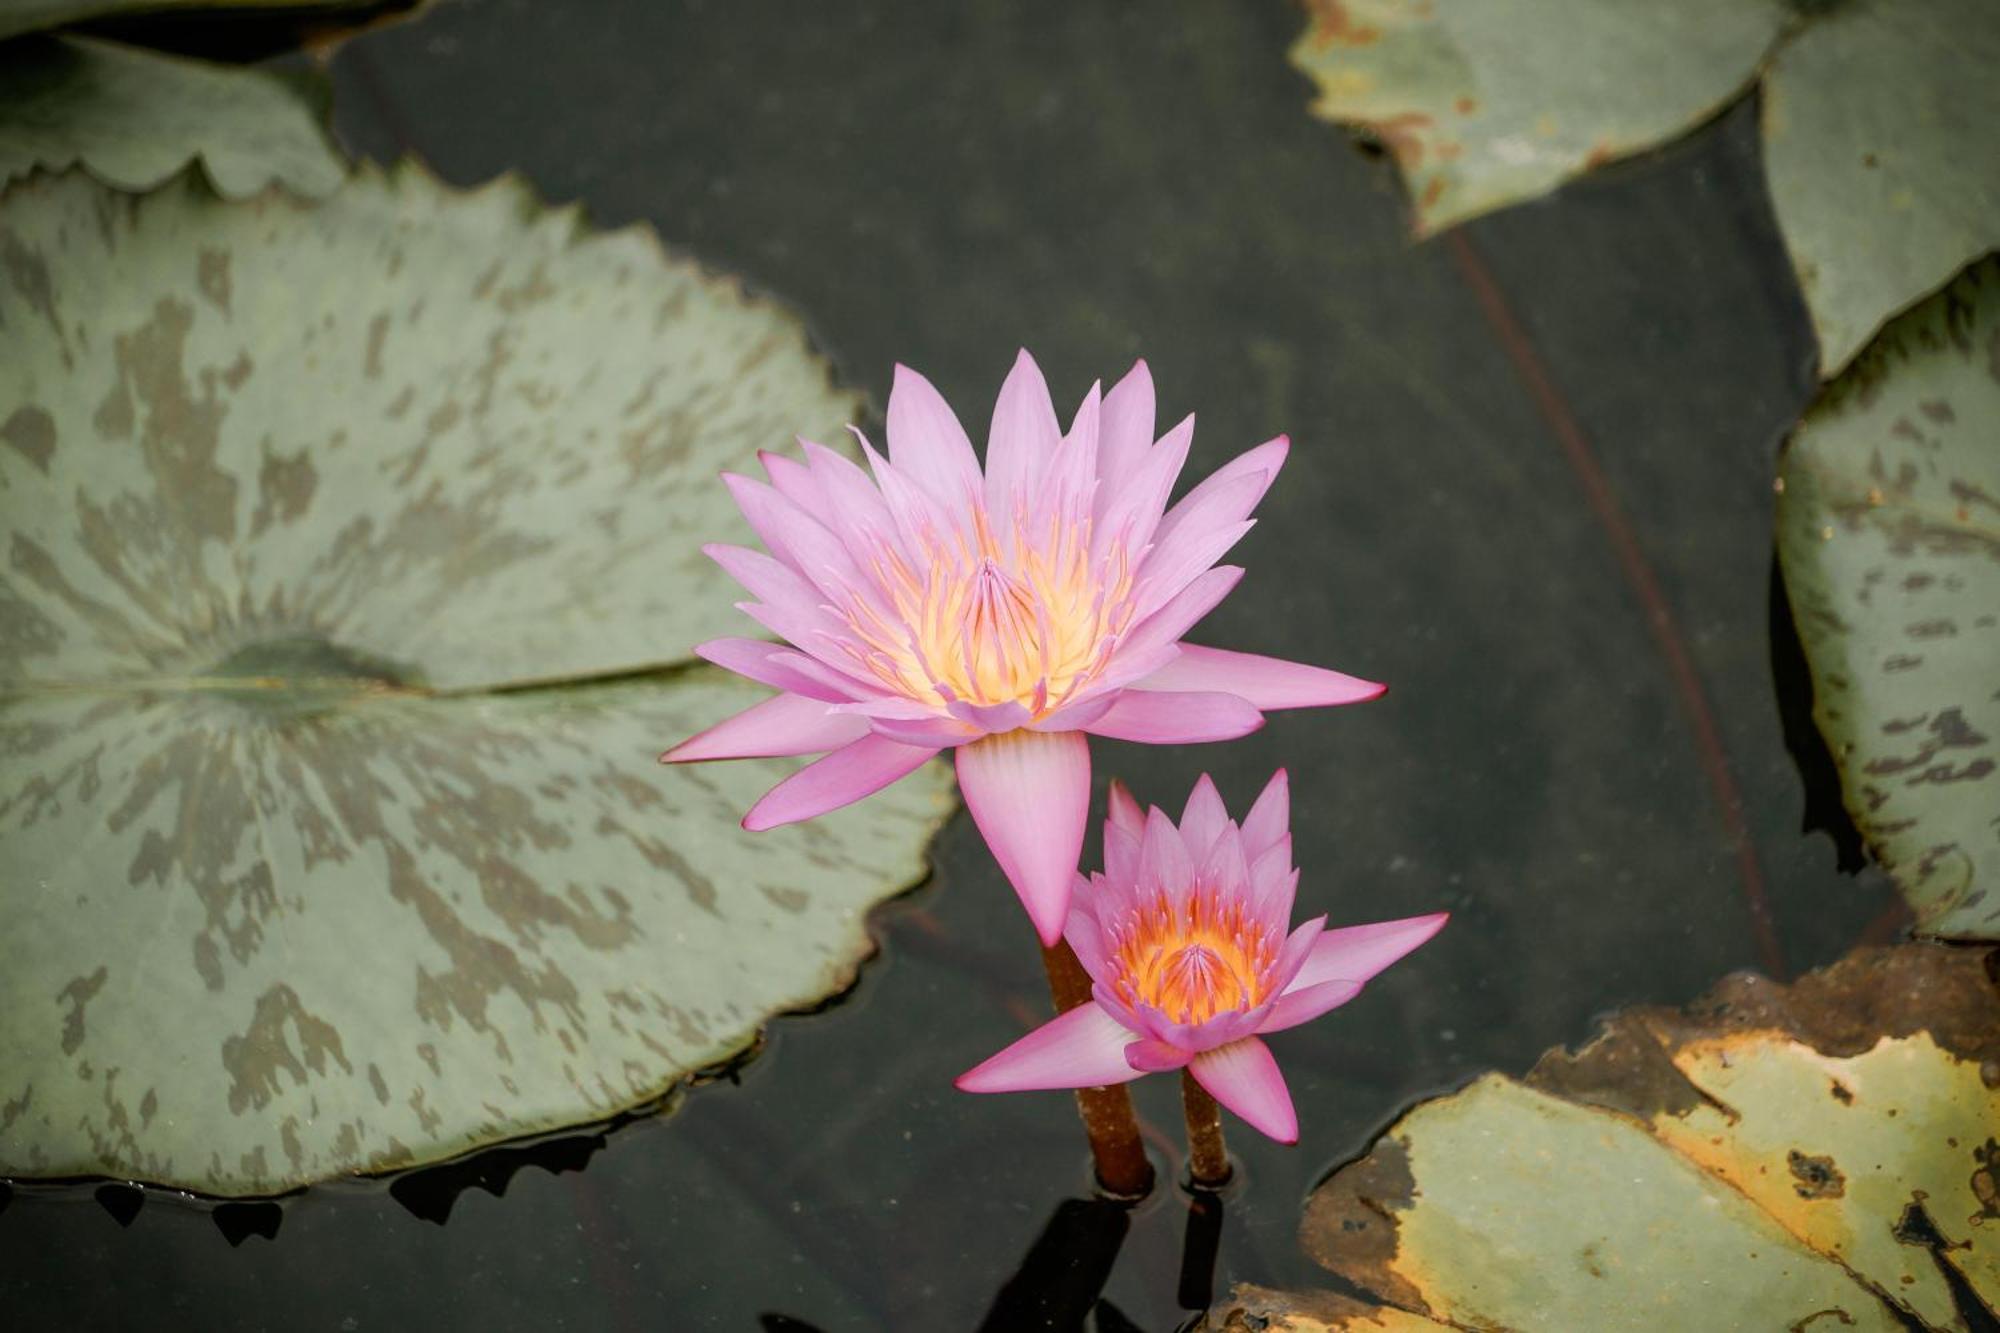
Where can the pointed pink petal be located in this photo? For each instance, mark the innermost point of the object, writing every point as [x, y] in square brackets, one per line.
[1221, 862]
[920, 521]
[1164, 863]
[1205, 510]
[927, 443]
[1177, 719]
[1029, 794]
[1084, 1048]
[1262, 463]
[769, 664]
[799, 539]
[1081, 713]
[1149, 1055]
[1121, 855]
[1274, 883]
[1271, 817]
[1164, 627]
[785, 725]
[1124, 432]
[1122, 810]
[1169, 569]
[1357, 953]
[1066, 488]
[1297, 948]
[1202, 817]
[795, 481]
[842, 778]
[1023, 438]
[1244, 1077]
[794, 607]
[861, 517]
[1080, 928]
[1302, 1004]
[1134, 511]
[1268, 682]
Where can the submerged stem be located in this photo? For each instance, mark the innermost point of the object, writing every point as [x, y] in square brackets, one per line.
[1208, 1157]
[1122, 1168]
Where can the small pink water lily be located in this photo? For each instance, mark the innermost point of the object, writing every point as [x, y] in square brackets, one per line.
[1183, 936]
[1002, 614]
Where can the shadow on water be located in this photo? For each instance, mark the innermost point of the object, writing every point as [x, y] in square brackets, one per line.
[1791, 679]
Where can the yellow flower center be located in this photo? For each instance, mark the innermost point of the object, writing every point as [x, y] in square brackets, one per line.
[989, 622]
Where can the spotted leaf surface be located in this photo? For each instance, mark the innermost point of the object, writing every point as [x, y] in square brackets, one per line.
[1889, 534]
[290, 893]
[1876, 121]
[133, 118]
[1771, 1157]
[1486, 104]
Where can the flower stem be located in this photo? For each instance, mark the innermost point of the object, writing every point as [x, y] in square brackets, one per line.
[1208, 1158]
[1122, 1168]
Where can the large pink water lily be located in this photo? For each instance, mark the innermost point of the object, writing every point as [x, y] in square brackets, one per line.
[1184, 938]
[1001, 613]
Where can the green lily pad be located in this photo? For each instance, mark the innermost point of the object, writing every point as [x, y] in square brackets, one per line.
[1772, 1157]
[326, 849]
[1877, 118]
[1889, 536]
[133, 118]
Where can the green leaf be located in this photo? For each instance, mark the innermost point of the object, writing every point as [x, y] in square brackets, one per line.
[133, 118]
[1773, 1157]
[1889, 536]
[1486, 104]
[1877, 118]
[291, 891]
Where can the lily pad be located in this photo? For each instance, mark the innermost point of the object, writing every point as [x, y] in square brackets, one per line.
[1876, 123]
[1772, 1157]
[134, 118]
[326, 849]
[1889, 536]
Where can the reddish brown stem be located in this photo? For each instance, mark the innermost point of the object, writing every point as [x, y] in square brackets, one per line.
[1208, 1158]
[1122, 1168]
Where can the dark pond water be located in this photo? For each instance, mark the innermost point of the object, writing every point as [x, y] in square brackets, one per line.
[1531, 488]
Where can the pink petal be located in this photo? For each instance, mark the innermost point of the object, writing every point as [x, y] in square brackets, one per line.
[861, 517]
[1081, 713]
[1029, 794]
[936, 733]
[1022, 439]
[1274, 884]
[842, 778]
[1166, 625]
[920, 521]
[1169, 569]
[1244, 1077]
[1202, 817]
[1164, 863]
[1221, 861]
[1205, 510]
[1302, 1004]
[1268, 682]
[1262, 463]
[1134, 511]
[787, 724]
[789, 605]
[1177, 719]
[1271, 817]
[1124, 432]
[1081, 930]
[1122, 810]
[799, 539]
[1357, 953]
[1152, 1056]
[927, 443]
[769, 664]
[1297, 948]
[1084, 1048]
[795, 481]
[1121, 855]
[1066, 488]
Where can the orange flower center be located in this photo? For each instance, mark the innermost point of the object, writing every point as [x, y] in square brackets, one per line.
[1192, 963]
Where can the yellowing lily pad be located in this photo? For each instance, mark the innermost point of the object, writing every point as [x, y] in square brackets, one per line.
[1877, 118]
[1889, 536]
[332, 832]
[133, 118]
[1773, 1157]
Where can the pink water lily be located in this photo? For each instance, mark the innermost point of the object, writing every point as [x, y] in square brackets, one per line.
[1184, 938]
[1001, 613]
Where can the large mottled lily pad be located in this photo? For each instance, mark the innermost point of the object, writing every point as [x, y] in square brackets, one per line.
[1877, 118]
[323, 851]
[1773, 1157]
[1889, 536]
[133, 118]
